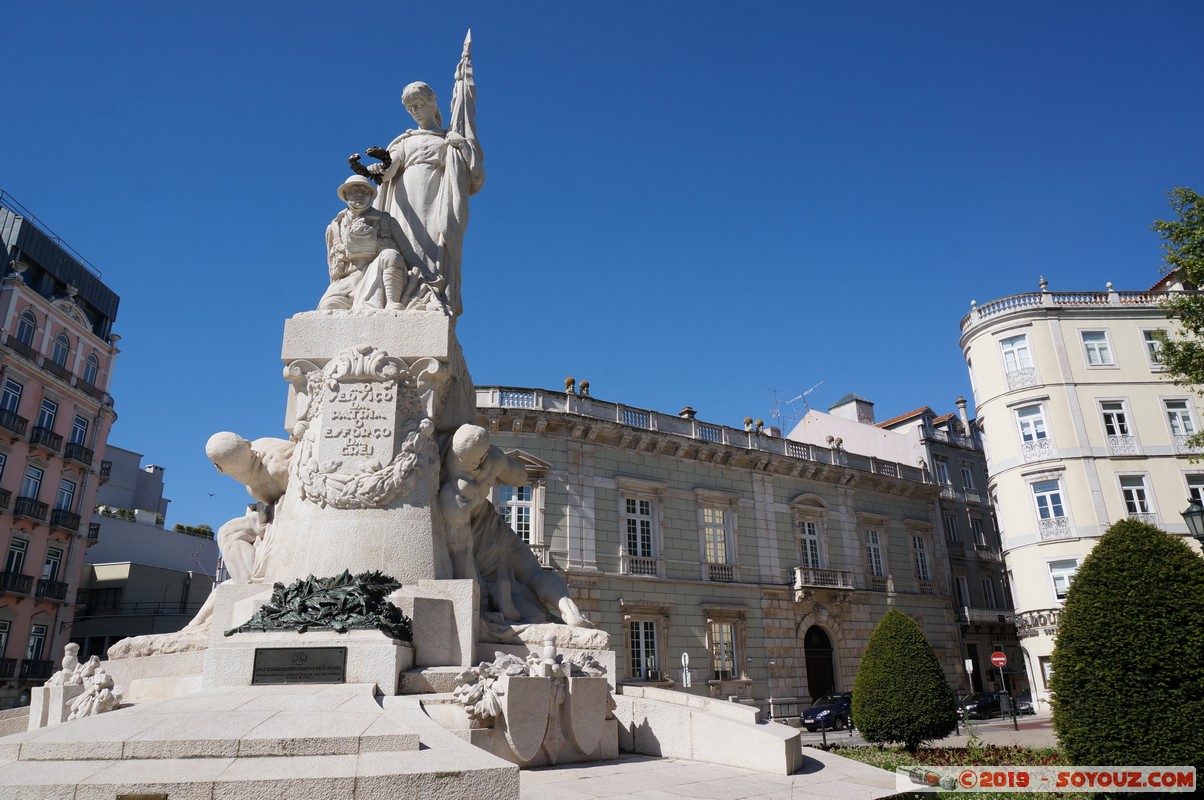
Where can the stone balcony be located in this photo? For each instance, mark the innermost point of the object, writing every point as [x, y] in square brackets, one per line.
[1034, 301]
[968, 614]
[822, 578]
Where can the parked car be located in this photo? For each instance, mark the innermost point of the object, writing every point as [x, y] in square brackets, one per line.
[831, 711]
[1024, 703]
[981, 705]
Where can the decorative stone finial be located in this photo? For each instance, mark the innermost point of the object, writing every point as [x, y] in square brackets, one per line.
[570, 385]
[1043, 283]
[584, 386]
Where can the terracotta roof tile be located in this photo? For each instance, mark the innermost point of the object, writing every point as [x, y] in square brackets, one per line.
[906, 416]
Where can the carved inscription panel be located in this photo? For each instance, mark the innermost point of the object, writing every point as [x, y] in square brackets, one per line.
[358, 423]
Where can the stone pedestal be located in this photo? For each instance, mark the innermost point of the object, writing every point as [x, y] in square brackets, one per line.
[50, 705]
[372, 396]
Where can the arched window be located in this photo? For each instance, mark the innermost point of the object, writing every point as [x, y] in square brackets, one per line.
[91, 367]
[61, 351]
[27, 326]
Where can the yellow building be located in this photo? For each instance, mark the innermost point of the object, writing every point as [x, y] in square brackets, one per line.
[1081, 430]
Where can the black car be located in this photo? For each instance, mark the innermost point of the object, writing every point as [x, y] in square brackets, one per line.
[831, 711]
[981, 705]
[1024, 703]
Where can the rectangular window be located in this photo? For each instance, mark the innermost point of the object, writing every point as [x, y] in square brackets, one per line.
[516, 508]
[3, 463]
[1195, 487]
[919, 550]
[950, 522]
[37, 642]
[808, 534]
[54, 559]
[3, 637]
[1099, 353]
[1061, 573]
[1048, 495]
[1178, 414]
[967, 478]
[644, 663]
[1134, 490]
[1032, 423]
[714, 534]
[637, 517]
[79, 430]
[873, 553]
[977, 531]
[1015, 353]
[1153, 345]
[66, 496]
[723, 651]
[942, 472]
[32, 483]
[16, 555]
[47, 414]
[988, 592]
[963, 590]
[10, 400]
[1115, 421]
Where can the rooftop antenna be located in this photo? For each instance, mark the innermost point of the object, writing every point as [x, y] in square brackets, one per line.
[786, 421]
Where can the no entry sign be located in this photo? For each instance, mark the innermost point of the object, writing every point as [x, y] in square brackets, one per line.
[999, 659]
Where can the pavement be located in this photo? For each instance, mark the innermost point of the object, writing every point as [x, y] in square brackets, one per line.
[825, 776]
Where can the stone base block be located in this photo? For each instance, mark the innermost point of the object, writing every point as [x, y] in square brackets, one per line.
[429, 680]
[445, 616]
[372, 657]
[494, 742]
[50, 705]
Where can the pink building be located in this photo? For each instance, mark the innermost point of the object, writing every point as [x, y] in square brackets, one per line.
[56, 359]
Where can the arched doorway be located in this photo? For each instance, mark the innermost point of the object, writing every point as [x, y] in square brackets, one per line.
[821, 674]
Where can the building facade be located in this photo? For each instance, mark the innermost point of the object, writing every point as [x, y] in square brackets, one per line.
[763, 562]
[1081, 430]
[140, 578]
[56, 358]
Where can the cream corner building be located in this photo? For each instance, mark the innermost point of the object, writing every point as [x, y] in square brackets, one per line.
[1081, 430]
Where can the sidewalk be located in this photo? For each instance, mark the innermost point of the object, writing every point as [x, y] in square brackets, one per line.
[824, 777]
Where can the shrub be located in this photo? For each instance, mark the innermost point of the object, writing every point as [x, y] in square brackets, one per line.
[1128, 661]
[901, 693]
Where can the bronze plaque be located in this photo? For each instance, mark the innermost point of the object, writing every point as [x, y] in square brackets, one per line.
[300, 665]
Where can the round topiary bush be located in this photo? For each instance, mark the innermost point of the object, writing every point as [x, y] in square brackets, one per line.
[1128, 661]
[901, 693]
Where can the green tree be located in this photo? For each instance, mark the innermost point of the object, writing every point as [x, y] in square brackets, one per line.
[1128, 662]
[901, 693]
[1183, 243]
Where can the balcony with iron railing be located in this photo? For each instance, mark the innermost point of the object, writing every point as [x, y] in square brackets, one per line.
[16, 583]
[46, 439]
[8, 667]
[93, 532]
[89, 388]
[12, 421]
[31, 508]
[52, 590]
[57, 370]
[36, 670]
[77, 452]
[750, 438]
[67, 520]
[20, 348]
[967, 615]
[6, 498]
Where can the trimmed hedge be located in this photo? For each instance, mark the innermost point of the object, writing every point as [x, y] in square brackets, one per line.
[1128, 662]
[901, 693]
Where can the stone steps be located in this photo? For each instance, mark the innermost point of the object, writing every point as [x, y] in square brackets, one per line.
[333, 741]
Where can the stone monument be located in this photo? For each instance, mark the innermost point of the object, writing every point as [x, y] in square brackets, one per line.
[382, 626]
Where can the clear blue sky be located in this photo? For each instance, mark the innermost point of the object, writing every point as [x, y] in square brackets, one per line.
[687, 203]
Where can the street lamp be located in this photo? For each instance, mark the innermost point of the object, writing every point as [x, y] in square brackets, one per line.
[1194, 517]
